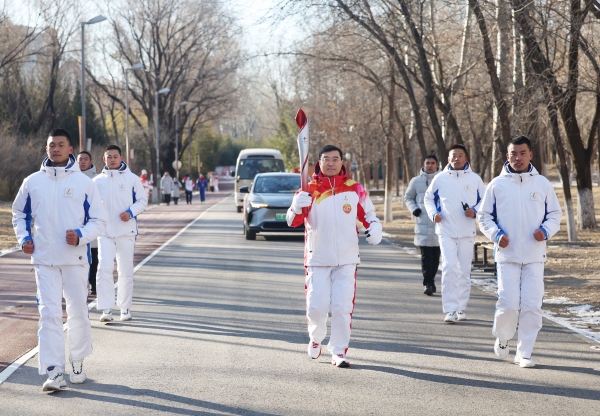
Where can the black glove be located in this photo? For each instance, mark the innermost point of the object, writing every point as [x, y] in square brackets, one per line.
[417, 212]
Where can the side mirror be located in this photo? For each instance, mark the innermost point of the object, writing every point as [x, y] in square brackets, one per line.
[243, 190]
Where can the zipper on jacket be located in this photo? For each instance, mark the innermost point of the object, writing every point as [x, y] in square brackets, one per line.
[337, 256]
[52, 219]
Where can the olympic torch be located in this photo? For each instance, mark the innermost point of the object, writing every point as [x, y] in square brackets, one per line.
[303, 141]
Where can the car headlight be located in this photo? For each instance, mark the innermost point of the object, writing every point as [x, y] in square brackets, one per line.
[259, 205]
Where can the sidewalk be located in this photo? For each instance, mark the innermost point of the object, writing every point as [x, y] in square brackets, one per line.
[18, 308]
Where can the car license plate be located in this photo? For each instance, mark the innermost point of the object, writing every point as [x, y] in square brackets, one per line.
[280, 217]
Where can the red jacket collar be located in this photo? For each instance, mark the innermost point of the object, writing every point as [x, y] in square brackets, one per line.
[340, 178]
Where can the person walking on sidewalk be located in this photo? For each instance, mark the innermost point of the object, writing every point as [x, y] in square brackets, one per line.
[329, 211]
[451, 202]
[124, 198]
[188, 183]
[67, 214]
[88, 169]
[202, 185]
[176, 190]
[216, 181]
[519, 212]
[425, 237]
[166, 184]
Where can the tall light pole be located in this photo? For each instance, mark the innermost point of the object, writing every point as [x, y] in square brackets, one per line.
[190, 144]
[181, 104]
[133, 68]
[156, 94]
[92, 21]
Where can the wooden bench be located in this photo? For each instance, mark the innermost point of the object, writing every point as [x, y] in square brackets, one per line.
[486, 265]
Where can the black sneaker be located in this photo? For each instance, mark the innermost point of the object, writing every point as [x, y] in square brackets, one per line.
[433, 287]
[428, 290]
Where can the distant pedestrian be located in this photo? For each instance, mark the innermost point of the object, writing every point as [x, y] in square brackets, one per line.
[176, 190]
[202, 185]
[216, 182]
[425, 236]
[451, 202]
[188, 183]
[329, 211]
[147, 184]
[166, 185]
[64, 207]
[519, 212]
[87, 168]
[124, 198]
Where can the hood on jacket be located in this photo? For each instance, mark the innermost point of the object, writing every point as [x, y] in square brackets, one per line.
[72, 164]
[507, 170]
[92, 169]
[466, 168]
[318, 175]
[122, 168]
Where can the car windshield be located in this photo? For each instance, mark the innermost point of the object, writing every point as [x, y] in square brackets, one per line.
[248, 168]
[276, 184]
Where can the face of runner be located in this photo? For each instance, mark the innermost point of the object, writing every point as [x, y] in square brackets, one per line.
[519, 156]
[430, 165]
[457, 159]
[112, 159]
[84, 161]
[58, 149]
[331, 163]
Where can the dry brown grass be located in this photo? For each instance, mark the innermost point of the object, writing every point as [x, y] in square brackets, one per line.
[7, 235]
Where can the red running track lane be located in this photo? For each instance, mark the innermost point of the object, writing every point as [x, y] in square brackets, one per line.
[18, 308]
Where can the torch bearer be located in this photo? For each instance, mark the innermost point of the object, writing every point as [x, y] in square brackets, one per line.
[303, 141]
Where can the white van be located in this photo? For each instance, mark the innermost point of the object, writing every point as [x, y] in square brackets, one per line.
[253, 161]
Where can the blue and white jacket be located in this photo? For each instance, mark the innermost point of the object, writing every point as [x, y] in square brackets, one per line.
[58, 199]
[121, 191]
[448, 194]
[517, 204]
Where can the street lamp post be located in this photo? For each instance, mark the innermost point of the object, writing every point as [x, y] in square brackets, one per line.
[190, 144]
[133, 68]
[92, 21]
[181, 104]
[156, 94]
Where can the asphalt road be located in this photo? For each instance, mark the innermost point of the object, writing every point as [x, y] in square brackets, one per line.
[219, 329]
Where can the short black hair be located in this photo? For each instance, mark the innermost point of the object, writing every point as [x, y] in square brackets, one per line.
[521, 140]
[60, 132]
[85, 152]
[113, 147]
[432, 156]
[329, 148]
[457, 146]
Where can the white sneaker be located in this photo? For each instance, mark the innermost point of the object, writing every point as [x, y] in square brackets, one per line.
[125, 315]
[524, 362]
[314, 350]
[77, 375]
[55, 381]
[106, 316]
[501, 348]
[450, 317]
[340, 360]
[461, 316]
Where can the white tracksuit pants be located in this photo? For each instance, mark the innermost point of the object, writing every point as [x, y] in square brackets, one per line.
[520, 296]
[457, 254]
[108, 248]
[330, 289]
[52, 283]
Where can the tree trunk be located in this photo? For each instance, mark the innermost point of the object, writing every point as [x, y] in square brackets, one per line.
[388, 215]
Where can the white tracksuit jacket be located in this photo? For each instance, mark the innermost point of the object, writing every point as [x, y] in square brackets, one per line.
[58, 199]
[447, 194]
[121, 191]
[518, 204]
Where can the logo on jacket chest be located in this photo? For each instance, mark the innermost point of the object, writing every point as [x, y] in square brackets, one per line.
[534, 196]
[467, 187]
[347, 208]
[68, 192]
[121, 187]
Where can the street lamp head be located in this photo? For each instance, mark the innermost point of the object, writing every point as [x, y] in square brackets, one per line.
[194, 111]
[163, 91]
[183, 103]
[139, 65]
[96, 19]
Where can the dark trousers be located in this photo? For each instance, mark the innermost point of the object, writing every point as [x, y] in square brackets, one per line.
[167, 198]
[93, 269]
[202, 194]
[430, 260]
[188, 197]
[175, 199]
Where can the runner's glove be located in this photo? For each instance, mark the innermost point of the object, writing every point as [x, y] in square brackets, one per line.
[374, 233]
[301, 200]
[417, 212]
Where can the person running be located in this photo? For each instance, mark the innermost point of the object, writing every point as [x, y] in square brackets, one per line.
[425, 237]
[329, 211]
[451, 202]
[67, 214]
[202, 185]
[124, 198]
[188, 183]
[519, 212]
[166, 185]
[88, 169]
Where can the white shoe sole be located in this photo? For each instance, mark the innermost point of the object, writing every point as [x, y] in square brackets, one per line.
[54, 387]
[126, 318]
[106, 319]
[77, 378]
